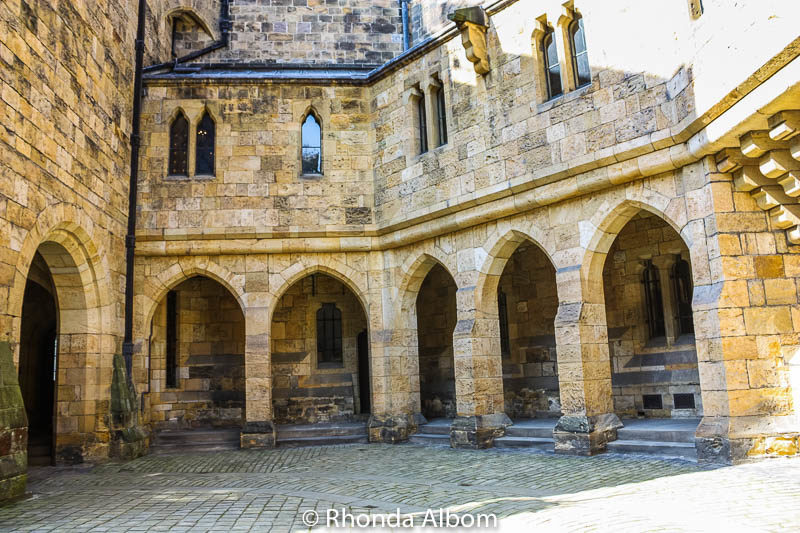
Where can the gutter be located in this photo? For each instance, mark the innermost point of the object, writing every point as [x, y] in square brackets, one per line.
[130, 238]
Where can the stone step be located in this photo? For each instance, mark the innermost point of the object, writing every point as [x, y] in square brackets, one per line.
[659, 448]
[436, 439]
[538, 443]
[171, 449]
[436, 427]
[196, 436]
[656, 435]
[322, 440]
[296, 431]
[532, 428]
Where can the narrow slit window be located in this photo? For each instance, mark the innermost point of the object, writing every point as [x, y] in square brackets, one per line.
[580, 56]
[206, 138]
[172, 340]
[179, 146]
[551, 66]
[653, 301]
[422, 123]
[682, 285]
[502, 309]
[441, 112]
[329, 335]
[311, 145]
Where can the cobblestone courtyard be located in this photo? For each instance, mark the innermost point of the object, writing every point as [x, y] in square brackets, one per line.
[270, 491]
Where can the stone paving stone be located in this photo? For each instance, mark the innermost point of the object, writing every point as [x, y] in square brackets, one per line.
[269, 490]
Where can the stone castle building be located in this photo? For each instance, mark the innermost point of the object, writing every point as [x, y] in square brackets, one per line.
[393, 211]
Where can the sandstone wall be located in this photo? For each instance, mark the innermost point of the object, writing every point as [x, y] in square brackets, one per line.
[66, 73]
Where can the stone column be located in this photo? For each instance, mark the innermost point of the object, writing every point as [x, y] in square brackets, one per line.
[258, 430]
[588, 421]
[478, 371]
[394, 365]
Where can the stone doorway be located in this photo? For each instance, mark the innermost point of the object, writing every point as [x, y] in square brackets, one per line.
[319, 358]
[647, 280]
[436, 322]
[38, 361]
[527, 301]
[197, 358]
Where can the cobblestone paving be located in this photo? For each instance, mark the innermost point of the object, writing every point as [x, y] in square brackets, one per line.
[270, 491]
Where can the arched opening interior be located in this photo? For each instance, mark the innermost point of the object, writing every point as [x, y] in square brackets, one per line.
[527, 301]
[648, 293]
[38, 360]
[436, 322]
[319, 354]
[197, 344]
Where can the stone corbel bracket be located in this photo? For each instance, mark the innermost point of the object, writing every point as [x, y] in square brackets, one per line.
[473, 23]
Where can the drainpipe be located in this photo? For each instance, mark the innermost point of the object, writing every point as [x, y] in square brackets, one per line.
[130, 238]
[404, 11]
[225, 30]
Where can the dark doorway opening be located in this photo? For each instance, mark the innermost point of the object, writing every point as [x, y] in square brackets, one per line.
[37, 361]
[363, 372]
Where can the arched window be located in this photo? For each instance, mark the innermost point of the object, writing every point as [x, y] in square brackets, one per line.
[682, 284]
[179, 146]
[580, 57]
[329, 335]
[422, 123]
[206, 138]
[653, 300]
[552, 69]
[441, 115]
[311, 145]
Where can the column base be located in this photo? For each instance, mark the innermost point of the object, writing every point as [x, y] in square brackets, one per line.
[585, 435]
[478, 432]
[393, 429]
[733, 440]
[258, 435]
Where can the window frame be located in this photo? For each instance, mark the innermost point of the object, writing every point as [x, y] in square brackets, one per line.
[422, 124]
[654, 301]
[330, 352]
[548, 67]
[441, 115]
[213, 145]
[574, 27]
[174, 149]
[311, 113]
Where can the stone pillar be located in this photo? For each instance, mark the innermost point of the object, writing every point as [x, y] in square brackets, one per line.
[394, 364]
[258, 430]
[479, 375]
[13, 429]
[588, 421]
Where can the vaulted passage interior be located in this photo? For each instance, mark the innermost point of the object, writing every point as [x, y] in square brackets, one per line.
[436, 322]
[527, 301]
[38, 360]
[197, 357]
[320, 359]
[648, 288]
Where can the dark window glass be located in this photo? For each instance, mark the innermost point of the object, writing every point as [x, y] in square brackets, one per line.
[312, 145]
[206, 135]
[172, 339]
[179, 146]
[441, 111]
[551, 66]
[653, 300]
[683, 400]
[580, 57]
[502, 309]
[652, 401]
[422, 120]
[329, 335]
[682, 285]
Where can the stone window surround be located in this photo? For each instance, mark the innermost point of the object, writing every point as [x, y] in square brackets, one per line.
[563, 40]
[426, 89]
[311, 110]
[194, 115]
